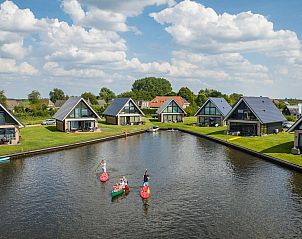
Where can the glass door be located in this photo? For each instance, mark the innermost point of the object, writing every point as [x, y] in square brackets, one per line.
[300, 141]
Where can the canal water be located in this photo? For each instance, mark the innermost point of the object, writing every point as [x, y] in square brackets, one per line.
[199, 189]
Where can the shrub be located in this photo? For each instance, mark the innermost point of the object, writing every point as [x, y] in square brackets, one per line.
[149, 111]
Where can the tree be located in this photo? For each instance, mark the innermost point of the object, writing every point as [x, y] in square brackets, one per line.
[136, 95]
[126, 94]
[233, 98]
[155, 86]
[201, 98]
[203, 95]
[2, 98]
[191, 109]
[171, 93]
[34, 97]
[91, 97]
[106, 94]
[56, 94]
[187, 94]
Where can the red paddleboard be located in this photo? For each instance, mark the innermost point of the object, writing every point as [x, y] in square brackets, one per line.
[104, 177]
[126, 188]
[144, 192]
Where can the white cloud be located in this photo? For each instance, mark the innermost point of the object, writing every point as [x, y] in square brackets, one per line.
[76, 44]
[196, 27]
[14, 19]
[210, 51]
[128, 8]
[8, 66]
[108, 15]
[55, 70]
[95, 17]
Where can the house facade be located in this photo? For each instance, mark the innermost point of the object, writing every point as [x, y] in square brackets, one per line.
[293, 110]
[123, 111]
[9, 127]
[12, 103]
[254, 116]
[59, 103]
[48, 103]
[213, 112]
[170, 111]
[297, 129]
[143, 104]
[76, 115]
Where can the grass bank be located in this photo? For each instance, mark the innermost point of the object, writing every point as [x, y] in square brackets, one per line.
[275, 145]
[40, 137]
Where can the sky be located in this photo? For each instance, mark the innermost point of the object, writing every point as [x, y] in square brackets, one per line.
[248, 47]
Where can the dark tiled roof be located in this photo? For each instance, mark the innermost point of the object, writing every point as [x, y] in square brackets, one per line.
[221, 104]
[12, 116]
[117, 105]
[295, 125]
[59, 103]
[263, 108]
[166, 103]
[101, 102]
[67, 107]
[293, 109]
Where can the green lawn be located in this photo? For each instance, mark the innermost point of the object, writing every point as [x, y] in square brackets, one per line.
[275, 145]
[37, 137]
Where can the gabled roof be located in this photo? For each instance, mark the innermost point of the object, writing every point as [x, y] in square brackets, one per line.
[68, 106]
[262, 107]
[295, 125]
[11, 103]
[221, 104]
[159, 100]
[166, 103]
[59, 103]
[293, 109]
[117, 105]
[11, 115]
[101, 102]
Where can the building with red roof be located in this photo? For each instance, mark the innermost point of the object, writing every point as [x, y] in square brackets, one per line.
[158, 101]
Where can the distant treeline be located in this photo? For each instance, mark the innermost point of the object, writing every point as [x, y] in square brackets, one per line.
[142, 89]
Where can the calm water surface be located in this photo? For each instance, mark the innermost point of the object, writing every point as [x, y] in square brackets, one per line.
[199, 189]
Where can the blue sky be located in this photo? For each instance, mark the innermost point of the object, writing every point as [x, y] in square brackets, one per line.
[249, 47]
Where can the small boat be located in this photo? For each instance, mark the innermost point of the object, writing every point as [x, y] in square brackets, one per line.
[144, 192]
[116, 193]
[153, 129]
[4, 160]
[104, 177]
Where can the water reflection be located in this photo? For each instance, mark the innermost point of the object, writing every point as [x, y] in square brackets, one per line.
[199, 189]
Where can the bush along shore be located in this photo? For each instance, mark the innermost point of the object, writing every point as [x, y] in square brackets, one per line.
[40, 137]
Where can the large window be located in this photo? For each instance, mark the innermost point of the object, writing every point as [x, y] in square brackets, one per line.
[209, 121]
[209, 109]
[7, 134]
[130, 109]
[172, 118]
[242, 112]
[81, 111]
[126, 120]
[172, 108]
